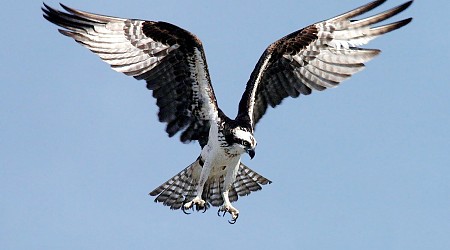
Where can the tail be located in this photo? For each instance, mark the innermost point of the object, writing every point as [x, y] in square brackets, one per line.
[182, 187]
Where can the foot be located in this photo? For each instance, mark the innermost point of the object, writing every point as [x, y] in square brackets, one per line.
[197, 202]
[228, 208]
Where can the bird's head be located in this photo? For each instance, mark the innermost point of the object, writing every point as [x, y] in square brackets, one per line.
[243, 138]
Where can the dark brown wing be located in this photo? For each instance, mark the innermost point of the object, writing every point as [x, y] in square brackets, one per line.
[170, 59]
[317, 57]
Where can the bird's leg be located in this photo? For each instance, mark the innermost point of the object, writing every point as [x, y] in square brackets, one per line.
[226, 206]
[198, 202]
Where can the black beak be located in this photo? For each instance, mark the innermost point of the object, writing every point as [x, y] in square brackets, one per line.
[251, 153]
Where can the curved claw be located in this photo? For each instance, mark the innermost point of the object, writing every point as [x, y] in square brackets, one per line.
[233, 220]
[234, 215]
[218, 212]
[184, 209]
[199, 208]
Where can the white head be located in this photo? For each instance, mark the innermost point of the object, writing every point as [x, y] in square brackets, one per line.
[245, 140]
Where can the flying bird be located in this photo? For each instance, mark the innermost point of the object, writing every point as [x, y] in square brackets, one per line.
[172, 62]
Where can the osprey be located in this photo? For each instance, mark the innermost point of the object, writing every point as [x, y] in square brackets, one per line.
[172, 62]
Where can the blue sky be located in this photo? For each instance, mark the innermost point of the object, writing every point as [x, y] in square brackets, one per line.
[362, 166]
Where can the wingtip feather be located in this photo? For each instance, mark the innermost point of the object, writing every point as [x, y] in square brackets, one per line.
[381, 16]
[360, 10]
[380, 30]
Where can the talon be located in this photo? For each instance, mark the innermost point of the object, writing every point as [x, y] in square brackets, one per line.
[197, 204]
[234, 219]
[184, 210]
[231, 210]
[199, 207]
[222, 209]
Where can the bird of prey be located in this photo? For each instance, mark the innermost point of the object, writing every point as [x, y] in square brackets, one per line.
[172, 62]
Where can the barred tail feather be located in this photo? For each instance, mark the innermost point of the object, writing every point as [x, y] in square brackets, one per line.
[182, 187]
[247, 181]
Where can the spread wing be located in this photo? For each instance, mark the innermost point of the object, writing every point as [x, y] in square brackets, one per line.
[171, 60]
[317, 57]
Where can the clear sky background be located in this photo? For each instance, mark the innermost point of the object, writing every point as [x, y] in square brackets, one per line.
[363, 166]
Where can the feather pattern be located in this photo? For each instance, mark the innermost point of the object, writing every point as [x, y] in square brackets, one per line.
[182, 187]
[317, 57]
[171, 60]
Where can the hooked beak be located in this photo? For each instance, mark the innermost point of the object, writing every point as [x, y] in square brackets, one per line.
[251, 153]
